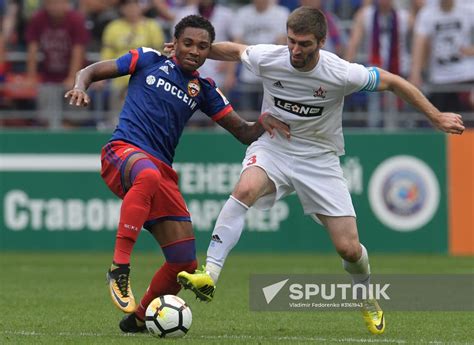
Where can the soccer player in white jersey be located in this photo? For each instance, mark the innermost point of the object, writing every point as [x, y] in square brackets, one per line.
[305, 86]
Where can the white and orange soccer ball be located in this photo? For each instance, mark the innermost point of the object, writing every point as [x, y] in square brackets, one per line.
[168, 316]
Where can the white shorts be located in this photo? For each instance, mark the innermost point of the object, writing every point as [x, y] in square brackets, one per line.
[318, 181]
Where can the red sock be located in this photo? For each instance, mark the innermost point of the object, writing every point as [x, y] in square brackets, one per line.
[134, 212]
[164, 283]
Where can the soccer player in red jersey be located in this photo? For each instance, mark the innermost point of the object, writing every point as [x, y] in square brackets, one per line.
[137, 161]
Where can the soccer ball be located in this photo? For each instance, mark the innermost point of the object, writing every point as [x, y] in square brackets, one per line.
[168, 316]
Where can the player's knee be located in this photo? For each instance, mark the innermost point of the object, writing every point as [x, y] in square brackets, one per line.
[349, 250]
[246, 193]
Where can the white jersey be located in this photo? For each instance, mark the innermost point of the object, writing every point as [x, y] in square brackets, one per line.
[256, 27]
[448, 32]
[309, 102]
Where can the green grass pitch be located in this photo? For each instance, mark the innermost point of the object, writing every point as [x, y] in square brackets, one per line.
[62, 299]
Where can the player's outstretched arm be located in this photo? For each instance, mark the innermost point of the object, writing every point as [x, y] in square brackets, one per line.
[224, 51]
[227, 51]
[447, 122]
[85, 77]
[247, 132]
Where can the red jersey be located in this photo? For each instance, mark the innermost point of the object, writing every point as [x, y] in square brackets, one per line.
[55, 40]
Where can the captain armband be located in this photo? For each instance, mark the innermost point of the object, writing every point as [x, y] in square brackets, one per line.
[374, 79]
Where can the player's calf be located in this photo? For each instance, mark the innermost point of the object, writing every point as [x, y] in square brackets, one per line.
[180, 256]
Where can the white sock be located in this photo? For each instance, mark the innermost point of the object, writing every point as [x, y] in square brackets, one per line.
[226, 234]
[359, 270]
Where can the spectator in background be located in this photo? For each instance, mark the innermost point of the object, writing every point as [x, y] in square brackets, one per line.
[262, 21]
[131, 30]
[345, 9]
[2, 45]
[222, 72]
[442, 32]
[289, 4]
[2, 54]
[381, 31]
[163, 11]
[335, 39]
[58, 33]
[413, 8]
[98, 14]
[18, 14]
[159, 8]
[14, 91]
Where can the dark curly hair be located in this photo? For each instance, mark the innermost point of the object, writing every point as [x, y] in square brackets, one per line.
[194, 21]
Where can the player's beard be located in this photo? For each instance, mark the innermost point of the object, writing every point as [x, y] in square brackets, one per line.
[304, 61]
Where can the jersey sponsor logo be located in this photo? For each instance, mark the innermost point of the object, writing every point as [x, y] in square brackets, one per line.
[278, 84]
[298, 108]
[320, 93]
[194, 87]
[171, 88]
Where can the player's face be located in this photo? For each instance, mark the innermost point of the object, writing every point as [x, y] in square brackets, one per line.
[304, 50]
[192, 48]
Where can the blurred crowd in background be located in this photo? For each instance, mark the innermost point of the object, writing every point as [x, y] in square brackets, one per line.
[43, 43]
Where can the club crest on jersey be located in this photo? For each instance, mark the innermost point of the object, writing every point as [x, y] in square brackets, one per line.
[194, 87]
[320, 93]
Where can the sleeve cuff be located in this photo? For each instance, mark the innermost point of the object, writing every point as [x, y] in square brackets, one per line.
[222, 113]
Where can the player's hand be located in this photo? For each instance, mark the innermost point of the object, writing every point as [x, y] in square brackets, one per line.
[169, 49]
[270, 124]
[78, 97]
[450, 123]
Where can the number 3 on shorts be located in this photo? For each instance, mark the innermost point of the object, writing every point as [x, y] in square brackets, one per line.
[252, 160]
